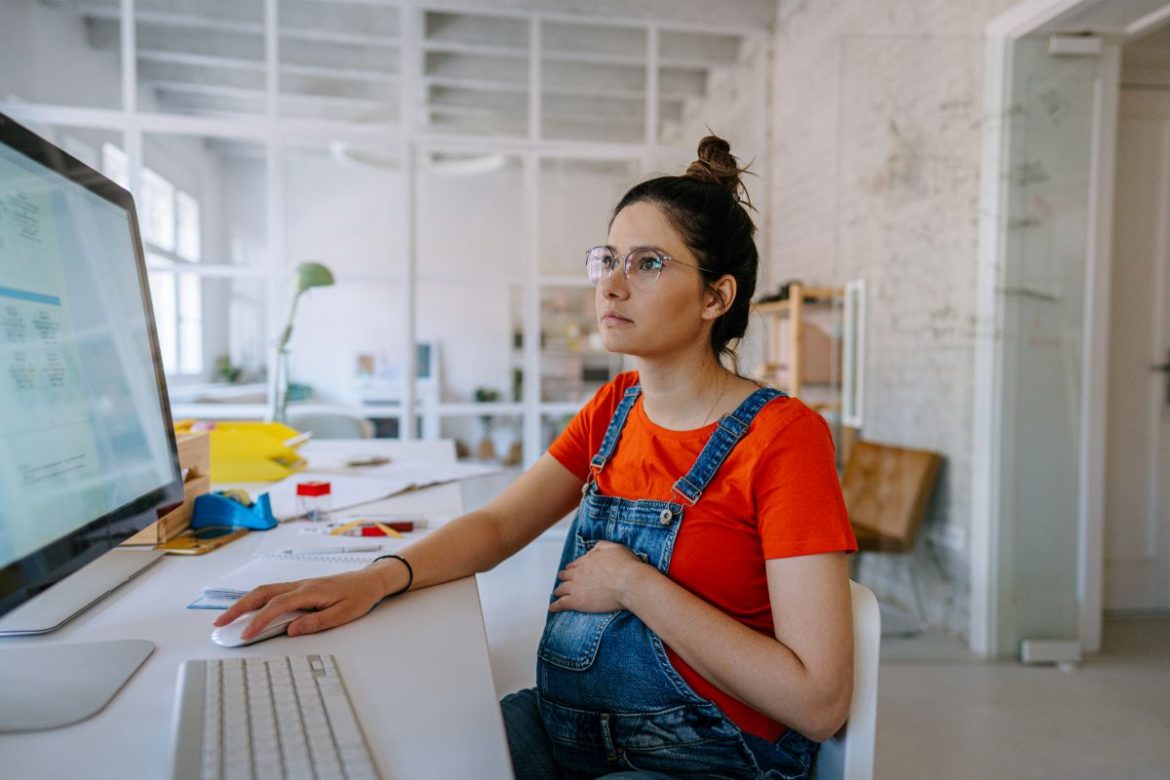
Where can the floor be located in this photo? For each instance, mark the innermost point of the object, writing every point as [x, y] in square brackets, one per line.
[941, 712]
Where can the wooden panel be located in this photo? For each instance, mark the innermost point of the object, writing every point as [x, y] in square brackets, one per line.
[195, 459]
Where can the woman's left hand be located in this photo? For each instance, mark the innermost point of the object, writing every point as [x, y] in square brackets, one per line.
[598, 581]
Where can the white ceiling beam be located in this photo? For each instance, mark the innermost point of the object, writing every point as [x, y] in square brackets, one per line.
[180, 97]
[446, 126]
[158, 73]
[244, 41]
[495, 100]
[223, 102]
[725, 16]
[581, 54]
[249, 47]
[219, 63]
[626, 109]
[597, 89]
[495, 118]
[474, 49]
[236, 11]
[308, 19]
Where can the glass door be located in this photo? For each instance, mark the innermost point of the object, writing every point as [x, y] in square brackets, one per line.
[1049, 118]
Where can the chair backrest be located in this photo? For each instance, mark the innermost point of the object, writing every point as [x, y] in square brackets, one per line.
[886, 490]
[332, 424]
[849, 754]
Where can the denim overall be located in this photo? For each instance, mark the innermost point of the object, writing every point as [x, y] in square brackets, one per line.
[610, 699]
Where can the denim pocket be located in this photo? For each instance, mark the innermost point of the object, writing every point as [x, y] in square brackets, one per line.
[789, 758]
[570, 638]
[717, 759]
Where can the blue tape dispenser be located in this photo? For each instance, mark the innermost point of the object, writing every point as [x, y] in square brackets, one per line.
[233, 508]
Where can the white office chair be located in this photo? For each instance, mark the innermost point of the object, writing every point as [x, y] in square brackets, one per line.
[849, 754]
[331, 423]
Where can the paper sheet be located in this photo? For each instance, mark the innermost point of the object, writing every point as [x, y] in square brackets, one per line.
[421, 473]
[346, 491]
[374, 484]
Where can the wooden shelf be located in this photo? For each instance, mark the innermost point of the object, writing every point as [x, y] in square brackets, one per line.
[787, 365]
[809, 296]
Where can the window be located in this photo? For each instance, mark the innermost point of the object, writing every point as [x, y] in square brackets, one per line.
[116, 165]
[187, 227]
[171, 230]
[162, 294]
[158, 211]
[190, 317]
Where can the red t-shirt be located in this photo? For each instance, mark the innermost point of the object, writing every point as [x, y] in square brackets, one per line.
[775, 496]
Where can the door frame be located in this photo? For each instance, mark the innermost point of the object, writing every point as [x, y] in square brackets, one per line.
[992, 409]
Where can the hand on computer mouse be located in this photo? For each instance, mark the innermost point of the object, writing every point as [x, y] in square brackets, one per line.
[232, 635]
[324, 603]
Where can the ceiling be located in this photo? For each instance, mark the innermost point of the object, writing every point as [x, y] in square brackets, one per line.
[1105, 17]
[340, 60]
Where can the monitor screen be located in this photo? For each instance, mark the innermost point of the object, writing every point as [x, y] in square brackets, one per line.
[87, 451]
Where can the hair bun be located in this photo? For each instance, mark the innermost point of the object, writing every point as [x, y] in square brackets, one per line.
[716, 165]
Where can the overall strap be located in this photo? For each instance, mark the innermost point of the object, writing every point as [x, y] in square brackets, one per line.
[614, 431]
[728, 432]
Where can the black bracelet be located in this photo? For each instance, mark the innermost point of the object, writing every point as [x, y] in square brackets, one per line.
[409, 573]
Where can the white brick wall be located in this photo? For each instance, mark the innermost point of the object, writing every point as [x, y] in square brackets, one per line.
[875, 134]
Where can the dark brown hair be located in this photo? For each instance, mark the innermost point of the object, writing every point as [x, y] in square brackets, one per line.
[707, 205]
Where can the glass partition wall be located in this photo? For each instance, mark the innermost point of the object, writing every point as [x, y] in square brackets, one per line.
[450, 167]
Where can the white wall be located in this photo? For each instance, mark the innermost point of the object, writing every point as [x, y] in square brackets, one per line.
[43, 58]
[875, 135]
[577, 199]
[469, 243]
[471, 261]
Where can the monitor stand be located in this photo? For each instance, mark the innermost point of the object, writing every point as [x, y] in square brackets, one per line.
[46, 686]
[51, 609]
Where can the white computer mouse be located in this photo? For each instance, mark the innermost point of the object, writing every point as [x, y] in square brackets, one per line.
[229, 635]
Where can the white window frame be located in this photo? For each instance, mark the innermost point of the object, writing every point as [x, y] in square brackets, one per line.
[271, 129]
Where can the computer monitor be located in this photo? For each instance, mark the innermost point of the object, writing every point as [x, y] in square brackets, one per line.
[87, 448]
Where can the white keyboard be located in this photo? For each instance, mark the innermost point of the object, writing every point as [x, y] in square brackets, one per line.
[267, 717]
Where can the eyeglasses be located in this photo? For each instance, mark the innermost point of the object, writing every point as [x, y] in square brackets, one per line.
[641, 267]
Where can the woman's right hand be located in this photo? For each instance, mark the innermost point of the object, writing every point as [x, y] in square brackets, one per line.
[331, 601]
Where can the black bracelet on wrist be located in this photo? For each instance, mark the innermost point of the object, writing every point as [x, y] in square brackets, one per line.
[409, 574]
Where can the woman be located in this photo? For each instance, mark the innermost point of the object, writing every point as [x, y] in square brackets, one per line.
[701, 622]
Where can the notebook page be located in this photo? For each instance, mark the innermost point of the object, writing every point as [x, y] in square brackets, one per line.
[276, 567]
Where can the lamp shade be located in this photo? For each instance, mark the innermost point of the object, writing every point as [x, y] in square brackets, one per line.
[311, 274]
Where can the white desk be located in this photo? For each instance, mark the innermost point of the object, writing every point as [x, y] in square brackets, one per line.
[416, 667]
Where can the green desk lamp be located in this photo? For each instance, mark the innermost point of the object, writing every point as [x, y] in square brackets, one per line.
[309, 274]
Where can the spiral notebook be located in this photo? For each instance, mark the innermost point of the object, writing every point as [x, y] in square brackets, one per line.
[277, 567]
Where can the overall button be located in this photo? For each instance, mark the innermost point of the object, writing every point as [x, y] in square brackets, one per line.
[666, 517]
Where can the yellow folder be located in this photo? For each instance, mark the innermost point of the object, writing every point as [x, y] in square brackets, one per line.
[250, 451]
